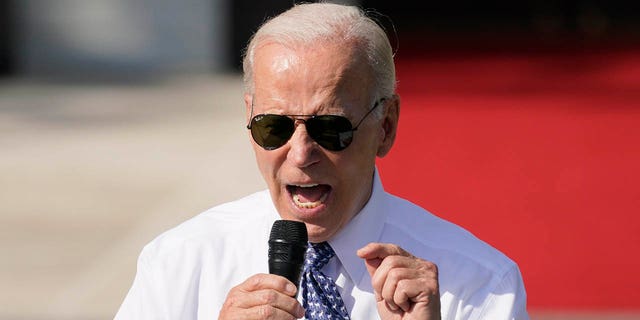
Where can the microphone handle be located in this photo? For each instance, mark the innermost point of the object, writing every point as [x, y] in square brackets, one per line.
[287, 260]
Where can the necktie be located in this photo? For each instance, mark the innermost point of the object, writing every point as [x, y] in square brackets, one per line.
[320, 297]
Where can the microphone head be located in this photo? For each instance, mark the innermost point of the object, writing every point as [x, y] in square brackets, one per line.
[287, 247]
[289, 231]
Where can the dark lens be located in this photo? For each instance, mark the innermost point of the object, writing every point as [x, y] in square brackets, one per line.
[331, 132]
[271, 131]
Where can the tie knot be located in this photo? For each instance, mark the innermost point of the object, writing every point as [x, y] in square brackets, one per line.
[318, 254]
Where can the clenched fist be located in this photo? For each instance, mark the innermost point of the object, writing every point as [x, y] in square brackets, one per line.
[406, 287]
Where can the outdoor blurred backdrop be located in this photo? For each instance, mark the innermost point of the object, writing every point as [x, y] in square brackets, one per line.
[121, 118]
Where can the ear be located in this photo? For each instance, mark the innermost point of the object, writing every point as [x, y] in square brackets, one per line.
[248, 100]
[389, 124]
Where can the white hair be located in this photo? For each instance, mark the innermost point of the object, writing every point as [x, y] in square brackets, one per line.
[305, 24]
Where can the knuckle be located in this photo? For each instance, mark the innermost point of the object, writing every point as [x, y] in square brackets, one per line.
[266, 312]
[393, 261]
[231, 301]
[255, 281]
[396, 250]
[428, 266]
[403, 285]
[268, 297]
[401, 251]
[394, 275]
[431, 287]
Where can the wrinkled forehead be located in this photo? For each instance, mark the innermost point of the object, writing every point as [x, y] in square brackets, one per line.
[326, 73]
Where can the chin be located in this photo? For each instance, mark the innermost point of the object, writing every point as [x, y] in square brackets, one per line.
[321, 224]
[318, 233]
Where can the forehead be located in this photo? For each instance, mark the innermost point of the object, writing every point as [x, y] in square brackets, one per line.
[312, 78]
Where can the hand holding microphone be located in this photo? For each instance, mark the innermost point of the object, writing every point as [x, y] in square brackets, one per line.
[272, 296]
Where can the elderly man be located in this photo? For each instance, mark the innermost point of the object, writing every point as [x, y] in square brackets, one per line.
[321, 106]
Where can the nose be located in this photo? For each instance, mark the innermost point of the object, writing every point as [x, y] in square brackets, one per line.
[303, 151]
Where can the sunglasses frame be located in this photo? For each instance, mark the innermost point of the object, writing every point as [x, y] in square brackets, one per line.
[304, 118]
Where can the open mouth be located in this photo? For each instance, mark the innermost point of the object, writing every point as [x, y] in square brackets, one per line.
[309, 196]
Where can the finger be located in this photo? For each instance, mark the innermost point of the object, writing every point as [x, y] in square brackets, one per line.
[374, 253]
[268, 281]
[272, 298]
[379, 277]
[269, 312]
[254, 301]
[416, 290]
[400, 296]
[381, 251]
[265, 289]
[392, 292]
[391, 262]
[372, 265]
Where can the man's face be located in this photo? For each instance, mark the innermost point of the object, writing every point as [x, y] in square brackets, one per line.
[308, 183]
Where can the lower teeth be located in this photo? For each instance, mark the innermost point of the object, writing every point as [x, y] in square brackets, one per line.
[308, 205]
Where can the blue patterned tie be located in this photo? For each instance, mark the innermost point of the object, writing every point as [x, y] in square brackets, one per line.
[320, 297]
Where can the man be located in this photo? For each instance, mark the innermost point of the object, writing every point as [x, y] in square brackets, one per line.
[321, 106]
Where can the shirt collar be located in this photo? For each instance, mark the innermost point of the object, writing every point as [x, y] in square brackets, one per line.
[364, 228]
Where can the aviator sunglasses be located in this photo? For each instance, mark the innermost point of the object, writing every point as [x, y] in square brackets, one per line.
[332, 132]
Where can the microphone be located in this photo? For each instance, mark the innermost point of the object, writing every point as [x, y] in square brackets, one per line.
[287, 247]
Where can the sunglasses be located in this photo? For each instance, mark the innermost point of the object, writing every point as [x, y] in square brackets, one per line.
[332, 132]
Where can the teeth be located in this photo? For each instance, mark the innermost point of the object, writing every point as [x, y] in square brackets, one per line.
[305, 185]
[308, 205]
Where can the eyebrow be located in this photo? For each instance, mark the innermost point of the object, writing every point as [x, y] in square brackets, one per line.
[340, 113]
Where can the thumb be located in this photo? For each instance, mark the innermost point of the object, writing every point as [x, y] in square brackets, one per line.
[371, 260]
[372, 265]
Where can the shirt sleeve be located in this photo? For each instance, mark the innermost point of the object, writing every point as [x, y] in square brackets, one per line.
[508, 300]
[140, 302]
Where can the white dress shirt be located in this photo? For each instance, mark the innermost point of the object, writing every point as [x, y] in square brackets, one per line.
[187, 272]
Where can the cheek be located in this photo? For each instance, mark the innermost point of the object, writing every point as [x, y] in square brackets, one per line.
[262, 162]
[365, 156]
[354, 166]
[268, 163]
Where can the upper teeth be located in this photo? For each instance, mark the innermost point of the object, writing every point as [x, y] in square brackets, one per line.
[306, 185]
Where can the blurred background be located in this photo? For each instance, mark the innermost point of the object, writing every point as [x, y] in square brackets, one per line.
[122, 118]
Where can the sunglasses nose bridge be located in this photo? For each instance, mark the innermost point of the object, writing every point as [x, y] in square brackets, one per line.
[298, 121]
[302, 147]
